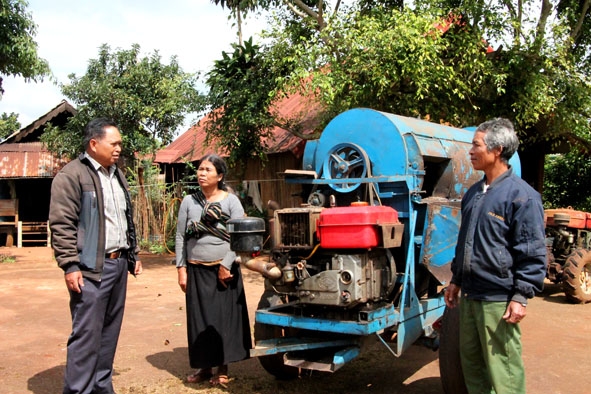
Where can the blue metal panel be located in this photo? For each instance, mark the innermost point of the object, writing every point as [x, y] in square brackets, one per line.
[374, 132]
[344, 356]
[309, 154]
[375, 321]
[268, 347]
[439, 239]
[396, 146]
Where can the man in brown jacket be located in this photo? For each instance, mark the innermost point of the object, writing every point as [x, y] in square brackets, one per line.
[94, 242]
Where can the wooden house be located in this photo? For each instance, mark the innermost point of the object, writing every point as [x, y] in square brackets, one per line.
[27, 169]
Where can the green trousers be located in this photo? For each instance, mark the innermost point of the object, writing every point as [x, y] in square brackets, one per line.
[490, 349]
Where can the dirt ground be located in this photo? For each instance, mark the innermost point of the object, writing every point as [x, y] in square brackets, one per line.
[152, 353]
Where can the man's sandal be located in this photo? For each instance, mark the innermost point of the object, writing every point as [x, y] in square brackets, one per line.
[199, 376]
[222, 380]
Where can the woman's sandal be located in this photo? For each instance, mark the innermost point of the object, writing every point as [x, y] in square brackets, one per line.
[199, 376]
[222, 380]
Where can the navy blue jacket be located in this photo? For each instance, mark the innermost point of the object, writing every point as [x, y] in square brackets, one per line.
[501, 252]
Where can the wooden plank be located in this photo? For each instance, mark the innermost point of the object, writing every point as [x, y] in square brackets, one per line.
[33, 232]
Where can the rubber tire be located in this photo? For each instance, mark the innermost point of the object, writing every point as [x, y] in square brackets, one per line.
[273, 363]
[450, 367]
[576, 287]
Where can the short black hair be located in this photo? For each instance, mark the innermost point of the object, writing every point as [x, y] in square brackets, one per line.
[95, 129]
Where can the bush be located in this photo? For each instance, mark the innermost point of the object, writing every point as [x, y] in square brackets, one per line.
[566, 180]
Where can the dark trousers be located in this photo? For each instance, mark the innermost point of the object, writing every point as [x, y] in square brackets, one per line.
[97, 314]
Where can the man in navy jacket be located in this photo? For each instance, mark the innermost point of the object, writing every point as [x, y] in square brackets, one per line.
[500, 263]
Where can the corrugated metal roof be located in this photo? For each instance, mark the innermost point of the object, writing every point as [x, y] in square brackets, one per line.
[28, 160]
[22, 155]
[60, 112]
[190, 146]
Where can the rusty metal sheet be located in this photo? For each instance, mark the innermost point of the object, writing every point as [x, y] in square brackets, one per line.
[29, 164]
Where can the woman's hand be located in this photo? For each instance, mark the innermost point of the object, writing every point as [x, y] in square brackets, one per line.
[182, 272]
[224, 276]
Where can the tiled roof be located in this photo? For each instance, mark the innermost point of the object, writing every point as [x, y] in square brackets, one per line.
[190, 146]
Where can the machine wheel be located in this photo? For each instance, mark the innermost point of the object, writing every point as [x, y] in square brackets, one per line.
[346, 161]
[273, 363]
[450, 367]
[576, 281]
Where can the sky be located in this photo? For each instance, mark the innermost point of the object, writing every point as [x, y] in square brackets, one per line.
[70, 32]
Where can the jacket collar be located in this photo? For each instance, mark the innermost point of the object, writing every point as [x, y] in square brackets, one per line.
[499, 179]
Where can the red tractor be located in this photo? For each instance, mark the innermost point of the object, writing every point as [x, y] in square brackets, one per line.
[568, 240]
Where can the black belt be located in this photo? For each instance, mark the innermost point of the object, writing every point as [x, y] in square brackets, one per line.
[114, 255]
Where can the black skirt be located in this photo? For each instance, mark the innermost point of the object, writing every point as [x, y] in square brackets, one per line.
[218, 328]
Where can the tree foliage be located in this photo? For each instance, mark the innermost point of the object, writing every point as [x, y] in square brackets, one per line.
[8, 124]
[398, 62]
[543, 56]
[566, 183]
[18, 49]
[431, 59]
[147, 98]
[240, 96]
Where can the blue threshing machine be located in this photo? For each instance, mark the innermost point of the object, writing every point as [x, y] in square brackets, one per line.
[368, 254]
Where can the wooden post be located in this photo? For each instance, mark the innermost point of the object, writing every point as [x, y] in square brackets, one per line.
[48, 235]
[19, 234]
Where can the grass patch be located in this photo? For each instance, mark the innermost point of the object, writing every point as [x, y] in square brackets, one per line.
[6, 258]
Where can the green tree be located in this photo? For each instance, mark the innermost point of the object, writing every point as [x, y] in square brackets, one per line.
[18, 49]
[396, 61]
[542, 64]
[8, 124]
[239, 95]
[434, 61]
[238, 10]
[566, 181]
[147, 98]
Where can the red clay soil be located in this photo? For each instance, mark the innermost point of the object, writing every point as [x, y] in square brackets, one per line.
[152, 353]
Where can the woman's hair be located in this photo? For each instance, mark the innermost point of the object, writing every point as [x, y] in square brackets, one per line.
[95, 129]
[220, 167]
[499, 132]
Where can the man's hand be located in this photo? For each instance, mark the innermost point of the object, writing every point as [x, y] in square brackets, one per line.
[515, 312]
[182, 272]
[74, 281]
[138, 267]
[452, 295]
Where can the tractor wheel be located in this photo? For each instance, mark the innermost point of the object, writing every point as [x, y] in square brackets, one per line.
[576, 281]
[450, 367]
[273, 363]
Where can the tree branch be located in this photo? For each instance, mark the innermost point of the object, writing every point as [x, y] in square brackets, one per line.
[300, 8]
[541, 28]
[515, 14]
[294, 9]
[576, 32]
